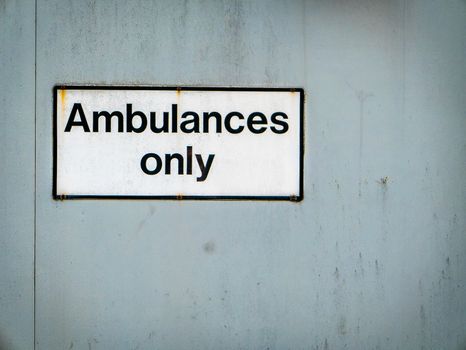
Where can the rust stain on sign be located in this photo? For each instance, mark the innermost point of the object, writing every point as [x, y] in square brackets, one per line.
[62, 101]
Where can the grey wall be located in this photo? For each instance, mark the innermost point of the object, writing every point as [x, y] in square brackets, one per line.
[17, 123]
[373, 258]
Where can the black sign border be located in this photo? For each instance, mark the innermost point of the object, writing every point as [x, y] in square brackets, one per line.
[297, 198]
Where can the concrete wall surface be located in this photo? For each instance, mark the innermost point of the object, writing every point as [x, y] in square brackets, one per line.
[374, 257]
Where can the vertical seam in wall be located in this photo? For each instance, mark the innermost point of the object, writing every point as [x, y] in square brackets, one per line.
[35, 173]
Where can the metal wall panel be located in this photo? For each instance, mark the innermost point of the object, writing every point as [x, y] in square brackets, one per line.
[387, 82]
[16, 174]
[167, 274]
[375, 255]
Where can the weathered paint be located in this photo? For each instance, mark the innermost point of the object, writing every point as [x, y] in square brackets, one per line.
[374, 257]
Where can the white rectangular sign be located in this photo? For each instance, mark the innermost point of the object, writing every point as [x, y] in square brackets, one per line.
[184, 143]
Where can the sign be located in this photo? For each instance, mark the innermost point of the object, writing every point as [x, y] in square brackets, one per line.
[178, 143]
